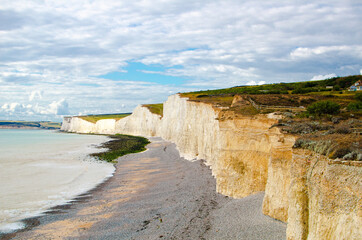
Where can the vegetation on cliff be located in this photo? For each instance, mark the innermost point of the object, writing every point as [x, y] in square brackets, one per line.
[121, 145]
[328, 85]
[155, 108]
[95, 118]
[324, 107]
[324, 115]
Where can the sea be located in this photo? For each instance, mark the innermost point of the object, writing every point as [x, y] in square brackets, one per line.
[40, 169]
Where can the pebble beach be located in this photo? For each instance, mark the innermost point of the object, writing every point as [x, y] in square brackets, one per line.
[156, 195]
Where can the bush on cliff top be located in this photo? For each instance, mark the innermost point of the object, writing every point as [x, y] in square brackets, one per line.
[324, 107]
[354, 106]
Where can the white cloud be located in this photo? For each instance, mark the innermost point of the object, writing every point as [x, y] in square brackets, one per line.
[360, 72]
[52, 50]
[322, 77]
[253, 83]
[12, 107]
[35, 94]
[59, 108]
[54, 110]
[302, 52]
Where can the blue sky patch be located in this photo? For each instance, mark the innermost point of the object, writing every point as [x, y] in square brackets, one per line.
[144, 73]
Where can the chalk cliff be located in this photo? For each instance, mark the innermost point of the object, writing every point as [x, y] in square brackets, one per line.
[78, 125]
[248, 155]
[325, 198]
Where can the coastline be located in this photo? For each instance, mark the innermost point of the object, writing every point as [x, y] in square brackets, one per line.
[56, 169]
[156, 194]
[23, 127]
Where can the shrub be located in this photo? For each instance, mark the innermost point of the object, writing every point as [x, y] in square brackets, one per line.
[354, 106]
[324, 107]
[343, 129]
[300, 90]
[358, 96]
[340, 152]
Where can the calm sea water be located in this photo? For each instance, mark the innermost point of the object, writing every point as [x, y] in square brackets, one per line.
[40, 169]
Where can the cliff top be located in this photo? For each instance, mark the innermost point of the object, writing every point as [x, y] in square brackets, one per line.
[95, 118]
[328, 85]
[324, 115]
[293, 97]
[155, 108]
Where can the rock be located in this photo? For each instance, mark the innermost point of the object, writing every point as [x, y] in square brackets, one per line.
[288, 114]
[335, 120]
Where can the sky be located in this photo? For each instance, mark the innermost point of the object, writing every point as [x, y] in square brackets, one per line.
[80, 57]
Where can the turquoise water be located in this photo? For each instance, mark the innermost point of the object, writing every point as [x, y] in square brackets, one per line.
[40, 169]
[12, 139]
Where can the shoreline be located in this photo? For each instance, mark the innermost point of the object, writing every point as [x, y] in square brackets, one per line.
[33, 222]
[156, 194]
[81, 153]
[19, 127]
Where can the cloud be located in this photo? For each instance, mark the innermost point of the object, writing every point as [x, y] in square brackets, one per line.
[35, 94]
[59, 108]
[322, 77]
[310, 52]
[12, 107]
[54, 110]
[360, 71]
[53, 50]
[253, 83]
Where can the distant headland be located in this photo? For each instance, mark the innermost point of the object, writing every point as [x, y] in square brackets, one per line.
[7, 124]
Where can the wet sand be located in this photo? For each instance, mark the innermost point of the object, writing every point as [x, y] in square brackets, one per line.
[157, 195]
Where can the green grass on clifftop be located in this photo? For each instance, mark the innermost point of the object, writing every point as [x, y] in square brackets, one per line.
[155, 108]
[121, 145]
[320, 87]
[323, 115]
[294, 95]
[95, 118]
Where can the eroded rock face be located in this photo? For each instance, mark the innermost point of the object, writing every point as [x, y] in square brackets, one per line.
[242, 166]
[140, 123]
[319, 200]
[236, 149]
[327, 198]
[276, 202]
[77, 125]
[193, 127]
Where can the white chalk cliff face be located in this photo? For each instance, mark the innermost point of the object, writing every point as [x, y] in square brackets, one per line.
[236, 150]
[246, 155]
[78, 125]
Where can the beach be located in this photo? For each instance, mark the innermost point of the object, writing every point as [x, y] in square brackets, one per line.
[156, 195]
[41, 169]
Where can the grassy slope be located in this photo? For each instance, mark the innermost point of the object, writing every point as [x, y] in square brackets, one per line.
[155, 108]
[95, 118]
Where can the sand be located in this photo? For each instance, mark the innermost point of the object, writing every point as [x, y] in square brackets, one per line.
[156, 195]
